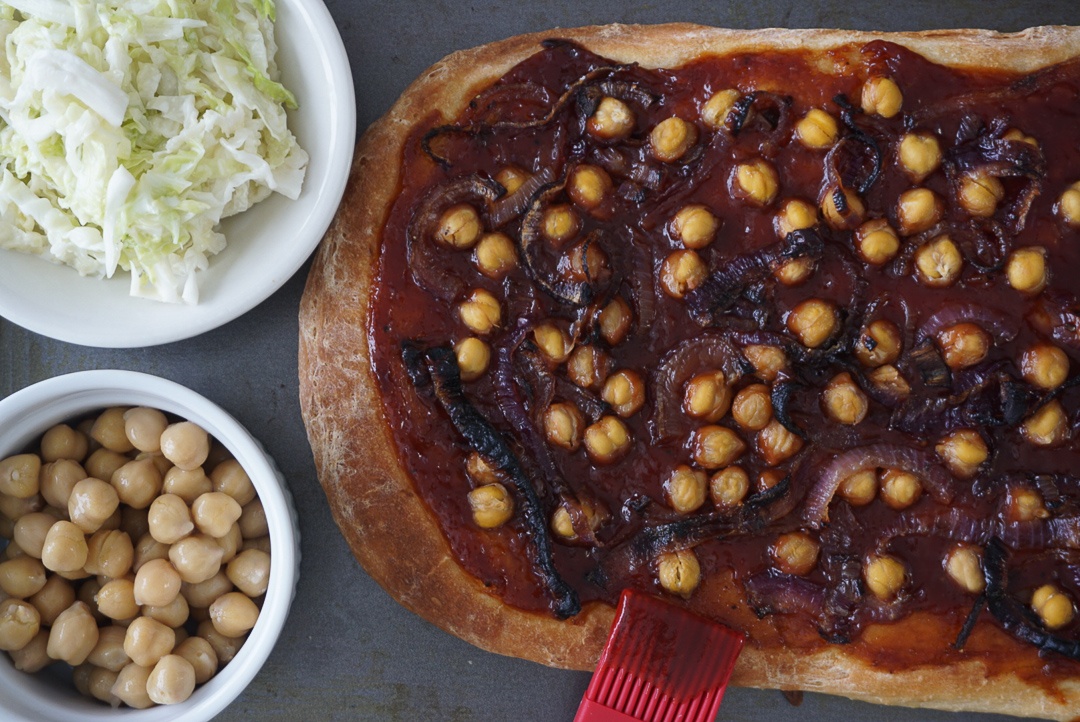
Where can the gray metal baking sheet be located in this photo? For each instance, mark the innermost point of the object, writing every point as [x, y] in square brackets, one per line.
[349, 652]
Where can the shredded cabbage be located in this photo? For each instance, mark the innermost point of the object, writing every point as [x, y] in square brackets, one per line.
[130, 128]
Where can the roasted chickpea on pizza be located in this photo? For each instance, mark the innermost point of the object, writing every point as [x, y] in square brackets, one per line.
[779, 325]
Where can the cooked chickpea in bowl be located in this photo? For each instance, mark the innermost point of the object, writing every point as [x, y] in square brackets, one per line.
[152, 555]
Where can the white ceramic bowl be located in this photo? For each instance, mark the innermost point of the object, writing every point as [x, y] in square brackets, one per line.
[266, 244]
[26, 414]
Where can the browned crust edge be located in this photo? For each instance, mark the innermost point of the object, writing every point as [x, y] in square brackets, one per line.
[388, 527]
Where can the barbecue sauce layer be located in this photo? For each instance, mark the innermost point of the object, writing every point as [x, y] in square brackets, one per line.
[879, 286]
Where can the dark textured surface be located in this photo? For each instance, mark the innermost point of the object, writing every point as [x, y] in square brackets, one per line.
[350, 652]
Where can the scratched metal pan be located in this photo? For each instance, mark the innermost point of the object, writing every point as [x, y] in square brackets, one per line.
[349, 652]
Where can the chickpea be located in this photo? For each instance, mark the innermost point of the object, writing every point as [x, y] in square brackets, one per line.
[511, 178]
[679, 572]
[817, 129]
[713, 447]
[707, 396]
[588, 185]
[156, 583]
[612, 120]
[1017, 135]
[230, 543]
[714, 113]
[795, 553]
[19, 624]
[172, 615]
[1049, 426]
[881, 96]
[102, 464]
[229, 477]
[843, 401]
[685, 489]
[963, 564]
[887, 378]
[163, 465]
[74, 635]
[607, 441]
[215, 513]
[187, 485]
[495, 255]
[938, 262]
[860, 488]
[1068, 206]
[775, 444]
[756, 181]
[554, 343]
[1026, 269]
[30, 531]
[116, 599]
[63, 442]
[768, 361]
[252, 522]
[564, 425]
[794, 215]
[1053, 606]
[249, 571]
[877, 242]
[918, 210]
[728, 487]
[480, 312]
[920, 155]
[1043, 366]
[32, 657]
[148, 640]
[91, 502]
[671, 138]
[900, 489]
[479, 470]
[171, 681]
[58, 478]
[559, 224]
[795, 271]
[200, 654]
[108, 430]
[146, 549]
[963, 345]
[813, 321]
[22, 577]
[99, 684]
[14, 508]
[624, 391]
[695, 226]
[459, 227]
[203, 594]
[196, 558]
[769, 478]
[19, 475]
[138, 483]
[963, 451]
[752, 407]
[109, 552]
[682, 272]
[130, 686]
[842, 208]
[169, 519]
[562, 522]
[65, 548]
[979, 194]
[53, 598]
[473, 357]
[233, 614]
[614, 321]
[884, 575]
[109, 652]
[144, 427]
[878, 344]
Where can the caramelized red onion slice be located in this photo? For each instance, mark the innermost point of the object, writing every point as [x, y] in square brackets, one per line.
[891, 456]
[489, 443]
[1014, 617]
[511, 206]
[530, 243]
[427, 270]
[706, 352]
[773, 592]
[1003, 327]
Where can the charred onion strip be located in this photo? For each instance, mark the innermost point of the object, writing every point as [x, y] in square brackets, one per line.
[530, 242]
[706, 352]
[842, 167]
[708, 302]
[1013, 616]
[780, 396]
[427, 270]
[490, 444]
[890, 456]
[773, 109]
[928, 361]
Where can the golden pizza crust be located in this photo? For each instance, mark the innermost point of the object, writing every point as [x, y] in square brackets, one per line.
[391, 531]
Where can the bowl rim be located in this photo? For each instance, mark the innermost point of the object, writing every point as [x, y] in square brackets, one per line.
[31, 697]
[327, 59]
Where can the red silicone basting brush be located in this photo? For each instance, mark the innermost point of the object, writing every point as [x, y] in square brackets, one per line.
[661, 664]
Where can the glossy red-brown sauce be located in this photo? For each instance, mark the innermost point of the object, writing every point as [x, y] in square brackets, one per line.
[435, 454]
